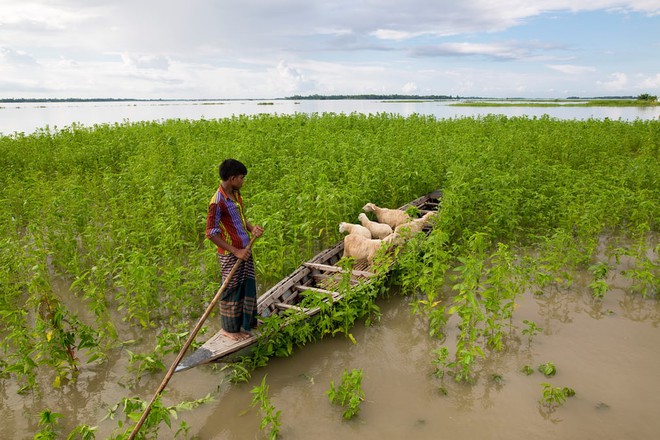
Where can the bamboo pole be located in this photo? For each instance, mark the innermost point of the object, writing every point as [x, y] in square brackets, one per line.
[185, 347]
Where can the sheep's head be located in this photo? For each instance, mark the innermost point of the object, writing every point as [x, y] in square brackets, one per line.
[342, 227]
[363, 217]
[369, 207]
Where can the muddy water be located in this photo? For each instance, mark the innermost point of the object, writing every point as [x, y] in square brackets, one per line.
[607, 351]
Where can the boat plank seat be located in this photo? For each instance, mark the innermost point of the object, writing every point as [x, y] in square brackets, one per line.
[282, 287]
[285, 306]
[335, 279]
[318, 290]
[328, 268]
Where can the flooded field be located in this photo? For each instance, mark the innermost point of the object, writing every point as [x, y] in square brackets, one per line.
[98, 291]
[605, 350]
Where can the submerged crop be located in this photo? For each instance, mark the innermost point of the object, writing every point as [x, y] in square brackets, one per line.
[102, 228]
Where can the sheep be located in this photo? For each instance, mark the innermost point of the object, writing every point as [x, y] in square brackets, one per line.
[416, 225]
[354, 229]
[391, 217]
[361, 248]
[393, 239]
[378, 230]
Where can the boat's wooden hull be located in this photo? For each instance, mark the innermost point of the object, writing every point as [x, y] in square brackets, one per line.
[320, 274]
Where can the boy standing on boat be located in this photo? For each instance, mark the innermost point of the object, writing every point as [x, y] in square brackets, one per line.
[227, 228]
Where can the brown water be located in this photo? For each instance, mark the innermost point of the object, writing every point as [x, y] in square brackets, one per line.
[607, 351]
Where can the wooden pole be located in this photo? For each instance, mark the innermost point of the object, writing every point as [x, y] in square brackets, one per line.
[185, 347]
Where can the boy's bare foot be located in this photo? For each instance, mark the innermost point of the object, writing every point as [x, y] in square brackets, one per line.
[235, 336]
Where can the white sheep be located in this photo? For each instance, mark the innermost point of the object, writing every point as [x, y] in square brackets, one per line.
[392, 217]
[394, 238]
[354, 229]
[416, 225]
[378, 230]
[361, 248]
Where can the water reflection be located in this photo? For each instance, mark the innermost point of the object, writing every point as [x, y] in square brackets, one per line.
[636, 308]
[30, 117]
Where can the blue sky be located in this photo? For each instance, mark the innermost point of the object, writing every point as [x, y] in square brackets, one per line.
[277, 48]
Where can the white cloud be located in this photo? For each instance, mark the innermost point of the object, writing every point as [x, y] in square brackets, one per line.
[11, 57]
[618, 82]
[388, 34]
[289, 80]
[492, 50]
[145, 61]
[409, 88]
[32, 15]
[650, 82]
[571, 69]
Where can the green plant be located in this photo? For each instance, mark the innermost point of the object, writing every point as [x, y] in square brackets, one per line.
[271, 416]
[348, 394]
[132, 410]
[467, 307]
[497, 378]
[527, 370]
[647, 97]
[552, 397]
[599, 285]
[82, 432]
[548, 369]
[645, 274]
[48, 421]
[531, 330]
[440, 361]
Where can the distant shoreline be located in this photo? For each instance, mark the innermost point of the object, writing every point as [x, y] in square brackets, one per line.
[473, 100]
[607, 101]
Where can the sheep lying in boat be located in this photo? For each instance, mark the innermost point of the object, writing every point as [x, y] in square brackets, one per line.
[377, 230]
[416, 225]
[361, 248]
[391, 217]
[354, 229]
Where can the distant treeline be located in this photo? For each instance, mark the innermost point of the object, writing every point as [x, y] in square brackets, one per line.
[603, 97]
[328, 97]
[300, 97]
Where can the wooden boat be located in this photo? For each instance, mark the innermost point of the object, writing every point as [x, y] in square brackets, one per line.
[320, 274]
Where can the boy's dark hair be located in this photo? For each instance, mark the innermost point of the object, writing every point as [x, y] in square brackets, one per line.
[231, 167]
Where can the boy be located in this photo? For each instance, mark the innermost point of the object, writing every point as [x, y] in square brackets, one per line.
[227, 228]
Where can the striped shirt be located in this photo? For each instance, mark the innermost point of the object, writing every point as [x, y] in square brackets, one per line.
[225, 217]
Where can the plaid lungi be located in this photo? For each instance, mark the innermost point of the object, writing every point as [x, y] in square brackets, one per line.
[238, 303]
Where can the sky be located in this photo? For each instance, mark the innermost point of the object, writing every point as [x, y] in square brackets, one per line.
[252, 49]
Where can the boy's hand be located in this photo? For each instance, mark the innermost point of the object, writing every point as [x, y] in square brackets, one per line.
[243, 254]
[257, 231]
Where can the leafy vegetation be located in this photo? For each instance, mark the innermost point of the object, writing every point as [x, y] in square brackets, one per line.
[548, 369]
[554, 397]
[129, 410]
[647, 97]
[531, 330]
[348, 394]
[271, 417]
[102, 228]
